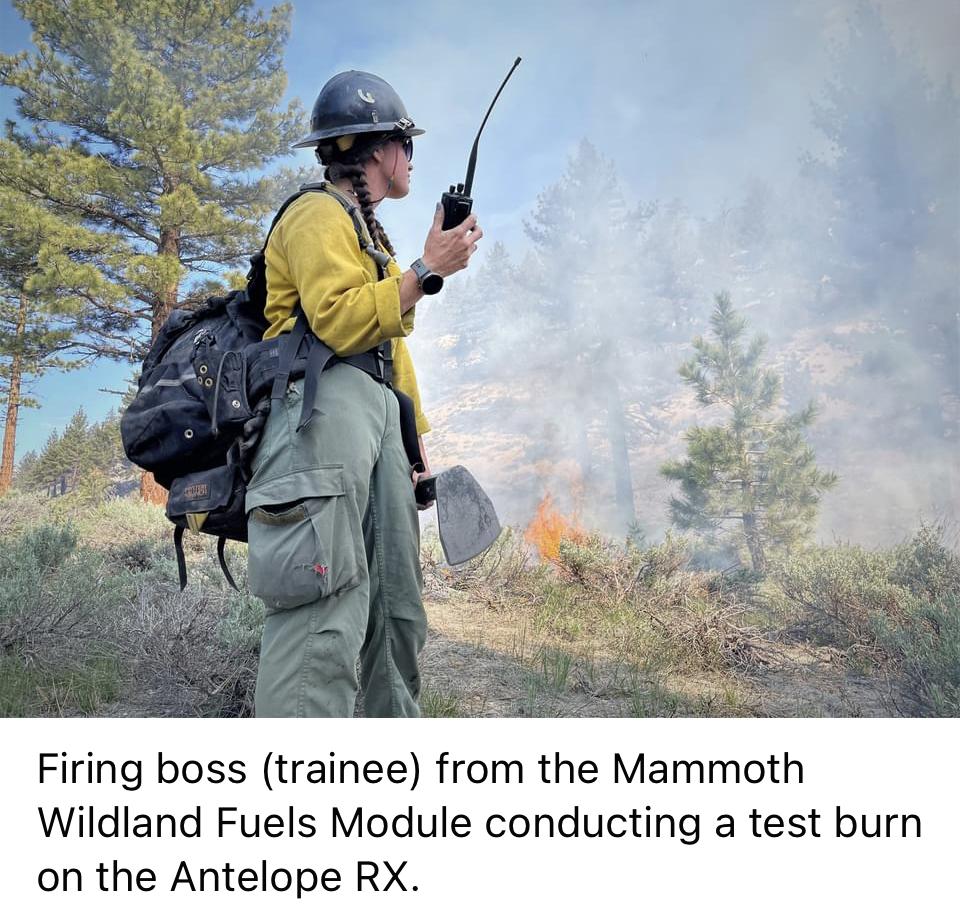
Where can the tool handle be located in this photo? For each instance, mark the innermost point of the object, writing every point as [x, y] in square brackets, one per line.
[426, 491]
[456, 209]
[408, 430]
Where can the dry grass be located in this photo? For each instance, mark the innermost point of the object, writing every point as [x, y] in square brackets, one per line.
[197, 648]
[621, 626]
[92, 621]
[68, 607]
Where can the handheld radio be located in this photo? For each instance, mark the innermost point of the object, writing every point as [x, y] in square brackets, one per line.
[457, 203]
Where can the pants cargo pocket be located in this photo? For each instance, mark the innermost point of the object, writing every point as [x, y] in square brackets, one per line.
[305, 549]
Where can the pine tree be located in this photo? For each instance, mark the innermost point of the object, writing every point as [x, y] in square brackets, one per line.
[37, 309]
[587, 302]
[892, 212]
[475, 312]
[51, 466]
[74, 449]
[147, 117]
[756, 470]
[85, 455]
[105, 446]
[23, 474]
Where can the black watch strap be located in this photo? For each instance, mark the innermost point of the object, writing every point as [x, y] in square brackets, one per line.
[429, 282]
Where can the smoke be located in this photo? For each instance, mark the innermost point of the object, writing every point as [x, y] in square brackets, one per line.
[803, 157]
[554, 361]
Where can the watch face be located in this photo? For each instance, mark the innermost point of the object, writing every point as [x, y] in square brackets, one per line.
[432, 283]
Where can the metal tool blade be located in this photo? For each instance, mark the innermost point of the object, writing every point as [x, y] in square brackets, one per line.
[466, 517]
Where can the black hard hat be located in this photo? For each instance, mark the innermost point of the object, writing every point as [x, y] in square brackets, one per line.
[355, 102]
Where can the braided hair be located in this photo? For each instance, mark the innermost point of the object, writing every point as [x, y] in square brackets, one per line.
[349, 165]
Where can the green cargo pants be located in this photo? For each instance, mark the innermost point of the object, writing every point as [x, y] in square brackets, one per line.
[334, 553]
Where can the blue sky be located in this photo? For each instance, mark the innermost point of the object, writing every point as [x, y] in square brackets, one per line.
[690, 99]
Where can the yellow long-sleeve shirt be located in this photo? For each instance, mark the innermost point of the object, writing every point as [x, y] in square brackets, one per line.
[313, 257]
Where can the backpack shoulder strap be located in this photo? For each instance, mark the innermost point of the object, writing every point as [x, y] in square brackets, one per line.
[257, 275]
[359, 226]
[258, 261]
[307, 187]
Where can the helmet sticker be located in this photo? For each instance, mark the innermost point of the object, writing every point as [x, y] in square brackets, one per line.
[365, 97]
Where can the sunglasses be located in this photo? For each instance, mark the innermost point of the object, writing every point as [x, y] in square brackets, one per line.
[406, 142]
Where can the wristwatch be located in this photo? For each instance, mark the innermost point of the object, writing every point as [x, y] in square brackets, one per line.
[430, 283]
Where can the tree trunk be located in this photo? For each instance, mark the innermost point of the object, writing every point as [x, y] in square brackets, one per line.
[620, 454]
[751, 532]
[166, 300]
[13, 403]
[575, 439]
[150, 491]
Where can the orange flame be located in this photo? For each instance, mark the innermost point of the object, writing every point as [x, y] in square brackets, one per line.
[549, 527]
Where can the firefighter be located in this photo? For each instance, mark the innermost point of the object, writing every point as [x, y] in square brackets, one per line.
[333, 527]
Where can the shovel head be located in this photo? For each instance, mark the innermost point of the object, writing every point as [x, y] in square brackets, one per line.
[466, 517]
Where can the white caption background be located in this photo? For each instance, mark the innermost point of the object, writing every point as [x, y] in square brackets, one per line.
[864, 767]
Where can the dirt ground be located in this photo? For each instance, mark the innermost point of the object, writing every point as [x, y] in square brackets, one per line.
[480, 662]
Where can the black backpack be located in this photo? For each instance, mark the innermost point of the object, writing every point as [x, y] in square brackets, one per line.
[205, 391]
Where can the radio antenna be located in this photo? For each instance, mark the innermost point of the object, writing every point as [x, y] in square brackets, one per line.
[468, 182]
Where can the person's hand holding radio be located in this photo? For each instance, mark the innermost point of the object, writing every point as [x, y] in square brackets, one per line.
[447, 251]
